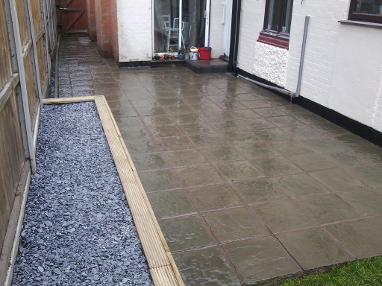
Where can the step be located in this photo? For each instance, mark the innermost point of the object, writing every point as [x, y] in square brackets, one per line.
[211, 66]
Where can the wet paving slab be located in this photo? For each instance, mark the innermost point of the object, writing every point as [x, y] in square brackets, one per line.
[246, 186]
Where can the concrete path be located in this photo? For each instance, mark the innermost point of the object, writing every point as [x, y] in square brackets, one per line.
[246, 186]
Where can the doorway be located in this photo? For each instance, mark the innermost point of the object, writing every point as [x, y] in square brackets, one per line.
[172, 34]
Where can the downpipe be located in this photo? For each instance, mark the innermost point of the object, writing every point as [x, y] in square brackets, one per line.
[302, 58]
[300, 72]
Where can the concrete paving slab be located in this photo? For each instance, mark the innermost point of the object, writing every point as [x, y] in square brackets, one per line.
[314, 248]
[217, 153]
[362, 237]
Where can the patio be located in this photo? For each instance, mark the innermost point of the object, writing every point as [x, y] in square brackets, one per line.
[246, 186]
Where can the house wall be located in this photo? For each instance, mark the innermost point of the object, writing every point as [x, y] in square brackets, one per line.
[217, 28]
[134, 30]
[260, 59]
[343, 63]
[134, 25]
[107, 41]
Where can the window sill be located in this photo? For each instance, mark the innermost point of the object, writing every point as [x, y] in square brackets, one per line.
[360, 23]
[274, 41]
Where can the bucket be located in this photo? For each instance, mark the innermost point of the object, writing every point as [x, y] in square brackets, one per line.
[194, 54]
[205, 53]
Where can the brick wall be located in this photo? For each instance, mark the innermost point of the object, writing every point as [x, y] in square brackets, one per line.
[106, 28]
[91, 20]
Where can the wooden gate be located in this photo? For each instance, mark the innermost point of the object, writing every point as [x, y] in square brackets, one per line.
[73, 16]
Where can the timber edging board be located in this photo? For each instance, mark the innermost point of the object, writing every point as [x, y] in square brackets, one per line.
[163, 269]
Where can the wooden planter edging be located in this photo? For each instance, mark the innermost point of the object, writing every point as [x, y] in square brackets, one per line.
[163, 269]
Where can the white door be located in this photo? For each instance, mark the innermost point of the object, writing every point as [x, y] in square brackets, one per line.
[227, 26]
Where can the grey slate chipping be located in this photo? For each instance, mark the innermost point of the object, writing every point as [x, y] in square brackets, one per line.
[77, 228]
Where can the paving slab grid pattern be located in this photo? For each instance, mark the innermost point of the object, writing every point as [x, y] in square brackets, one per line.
[246, 186]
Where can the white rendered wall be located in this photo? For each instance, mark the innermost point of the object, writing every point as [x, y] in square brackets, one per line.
[217, 28]
[134, 19]
[134, 30]
[343, 64]
[262, 60]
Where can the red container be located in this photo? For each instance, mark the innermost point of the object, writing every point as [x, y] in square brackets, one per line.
[205, 53]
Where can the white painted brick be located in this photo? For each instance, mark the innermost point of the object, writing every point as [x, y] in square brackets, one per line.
[134, 30]
[343, 64]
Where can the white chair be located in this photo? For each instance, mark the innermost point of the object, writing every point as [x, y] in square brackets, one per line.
[173, 35]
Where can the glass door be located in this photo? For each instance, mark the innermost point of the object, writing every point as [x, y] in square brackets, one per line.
[166, 26]
[194, 15]
[172, 34]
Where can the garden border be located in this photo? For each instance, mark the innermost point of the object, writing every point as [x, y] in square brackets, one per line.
[163, 269]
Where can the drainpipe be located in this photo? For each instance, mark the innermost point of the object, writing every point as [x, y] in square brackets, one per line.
[235, 28]
[302, 57]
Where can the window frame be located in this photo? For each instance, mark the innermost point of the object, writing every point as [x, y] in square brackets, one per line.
[275, 38]
[362, 17]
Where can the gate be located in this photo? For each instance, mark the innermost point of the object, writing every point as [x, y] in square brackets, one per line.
[73, 16]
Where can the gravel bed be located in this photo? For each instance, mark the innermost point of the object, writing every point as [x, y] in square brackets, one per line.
[77, 229]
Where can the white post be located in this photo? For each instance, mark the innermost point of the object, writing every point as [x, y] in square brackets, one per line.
[302, 57]
[207, 32]
[180, 24]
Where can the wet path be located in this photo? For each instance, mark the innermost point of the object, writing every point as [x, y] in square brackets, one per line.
[246, 186]
[77, 228]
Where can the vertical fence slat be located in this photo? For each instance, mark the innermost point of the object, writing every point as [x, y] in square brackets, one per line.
[33, 25]
[47, 36]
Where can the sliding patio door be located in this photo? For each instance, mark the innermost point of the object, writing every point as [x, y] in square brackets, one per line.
[194, 23]
[166, 26]
[171, 34]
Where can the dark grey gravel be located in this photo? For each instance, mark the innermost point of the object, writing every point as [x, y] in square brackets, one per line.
[77, 228]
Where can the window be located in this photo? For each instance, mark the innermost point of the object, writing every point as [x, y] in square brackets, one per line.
[277, 21]
[366, 10]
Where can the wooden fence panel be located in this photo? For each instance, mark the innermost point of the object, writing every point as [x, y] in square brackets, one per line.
[31, 89]
[30, 25]
[41, 59]
[52, 24]
[27, 60]
[41, 56]
[22, 19]
[37, 15]
[12, 158]
[12, 155]
[5, 66]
